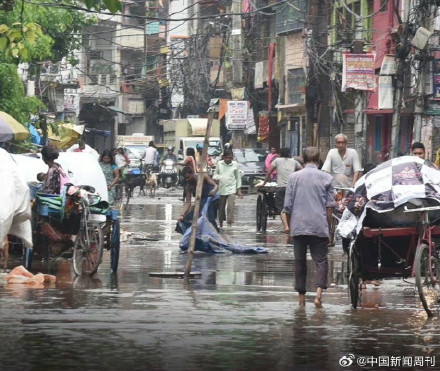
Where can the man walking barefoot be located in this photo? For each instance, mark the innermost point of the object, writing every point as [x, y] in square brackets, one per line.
[309, 202]
[228, 175]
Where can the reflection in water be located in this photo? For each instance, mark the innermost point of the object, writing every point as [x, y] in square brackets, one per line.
[168, 222]
[241, 315]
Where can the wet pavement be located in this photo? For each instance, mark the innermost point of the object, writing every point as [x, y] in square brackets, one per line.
[242, 314]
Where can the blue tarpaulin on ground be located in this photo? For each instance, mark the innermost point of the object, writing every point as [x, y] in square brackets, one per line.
[209, 240]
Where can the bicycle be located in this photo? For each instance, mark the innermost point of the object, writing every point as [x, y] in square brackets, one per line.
[89, 244]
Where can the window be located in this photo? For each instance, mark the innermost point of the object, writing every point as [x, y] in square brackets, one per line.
[290, 16]
[344, 22]
[296, 84]
[96, 54]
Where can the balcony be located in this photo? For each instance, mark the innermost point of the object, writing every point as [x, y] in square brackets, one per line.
[98, 87]
[131, 38]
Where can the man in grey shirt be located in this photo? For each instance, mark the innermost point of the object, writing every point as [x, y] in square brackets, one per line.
[343, 163]
[309, 202]
[284, 165]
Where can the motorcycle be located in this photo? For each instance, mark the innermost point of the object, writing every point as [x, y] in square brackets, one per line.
[168, 173]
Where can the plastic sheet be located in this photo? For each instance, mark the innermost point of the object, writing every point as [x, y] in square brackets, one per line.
[209, 240]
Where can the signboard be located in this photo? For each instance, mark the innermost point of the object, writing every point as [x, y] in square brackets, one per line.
[388, 65]
[152, 28]
[237, 116]
[358, 72]
[250, 128]
[385, 92]
[134, 139]
[71, 100]
[436, 79]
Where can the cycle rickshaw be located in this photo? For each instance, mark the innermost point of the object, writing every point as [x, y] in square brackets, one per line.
[394, 213]
[56, 218]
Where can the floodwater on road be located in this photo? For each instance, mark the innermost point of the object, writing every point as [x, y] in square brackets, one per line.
[242, 314]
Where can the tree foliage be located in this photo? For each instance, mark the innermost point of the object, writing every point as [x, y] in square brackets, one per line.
[12, 95]
[36, 31]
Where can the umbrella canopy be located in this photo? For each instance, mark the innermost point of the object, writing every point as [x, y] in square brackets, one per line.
[11, 129]
[68, 135]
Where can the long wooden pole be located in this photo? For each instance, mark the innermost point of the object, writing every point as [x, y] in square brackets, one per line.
[201, 171]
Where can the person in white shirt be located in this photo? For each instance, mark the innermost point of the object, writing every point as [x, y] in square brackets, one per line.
[120, 160]
[228, 175]
[343, 163]
[284, 166]
[150, 155]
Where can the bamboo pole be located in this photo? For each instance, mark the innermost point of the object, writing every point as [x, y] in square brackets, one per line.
[201, 171]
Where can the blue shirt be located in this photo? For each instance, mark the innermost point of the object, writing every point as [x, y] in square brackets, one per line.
[309, 193]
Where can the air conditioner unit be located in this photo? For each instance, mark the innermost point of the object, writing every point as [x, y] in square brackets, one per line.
[421, 37]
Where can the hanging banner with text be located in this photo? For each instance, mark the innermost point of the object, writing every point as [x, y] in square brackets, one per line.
[358, 72]
[237, 116]
[436, 79]
[385, 92]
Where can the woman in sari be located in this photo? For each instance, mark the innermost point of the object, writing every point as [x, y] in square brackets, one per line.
[111, 173]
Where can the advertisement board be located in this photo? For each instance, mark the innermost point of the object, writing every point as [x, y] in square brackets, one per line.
[358, 72]
[237, 116]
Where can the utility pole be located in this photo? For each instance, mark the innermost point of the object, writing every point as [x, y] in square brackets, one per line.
[420, 103]
[145, 58]
[237, 60]
[198, 198]
[397, 104]
[360, 118]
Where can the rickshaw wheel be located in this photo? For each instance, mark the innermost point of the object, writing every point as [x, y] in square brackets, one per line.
[353, 278]
[427, 285]
[333, 227]
[88, 249]
[115, 247]
[258, 216]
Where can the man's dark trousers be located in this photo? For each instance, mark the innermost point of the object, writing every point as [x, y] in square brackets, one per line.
[319, 251]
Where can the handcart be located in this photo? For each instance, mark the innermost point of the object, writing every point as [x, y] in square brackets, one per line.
[266, 206]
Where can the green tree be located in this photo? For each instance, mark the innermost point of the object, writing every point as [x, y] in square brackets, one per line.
[12, 95]
[32, 32]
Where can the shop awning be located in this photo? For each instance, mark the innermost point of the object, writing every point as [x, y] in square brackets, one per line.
[293, 105]
[115, 109]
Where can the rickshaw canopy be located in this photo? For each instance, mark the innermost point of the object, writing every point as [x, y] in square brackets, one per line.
[82, 169]
[387, 187]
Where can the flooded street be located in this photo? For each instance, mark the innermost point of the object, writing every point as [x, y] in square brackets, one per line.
[242, 314]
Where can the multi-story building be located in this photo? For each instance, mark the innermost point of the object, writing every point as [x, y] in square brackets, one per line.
[122, 72]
